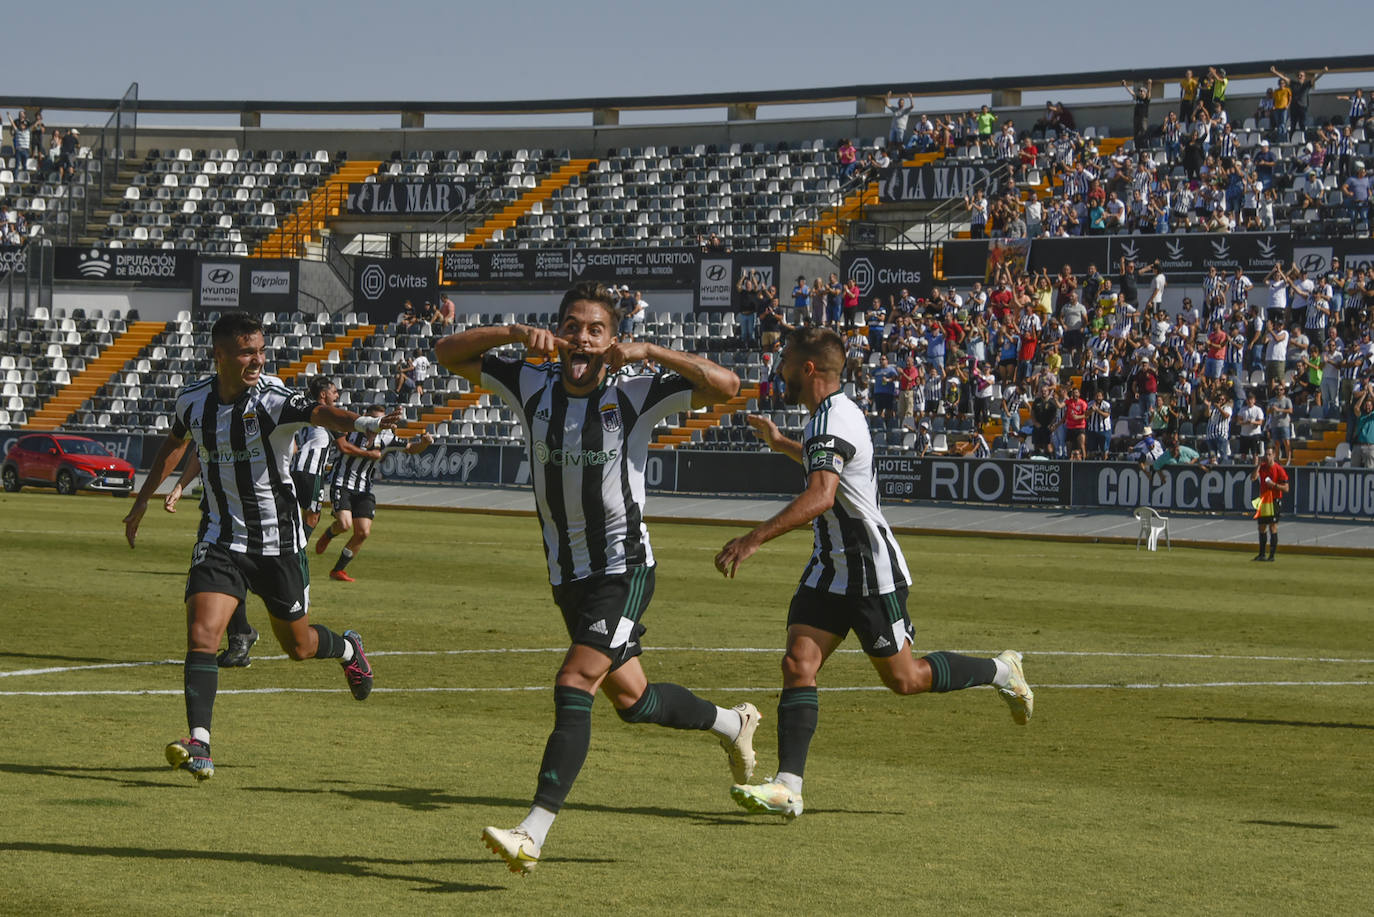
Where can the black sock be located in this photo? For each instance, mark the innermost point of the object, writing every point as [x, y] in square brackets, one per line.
[567, 747]
[328, 535]
[238, 623]
[952, 672]
[1262, 533]
[200, 680]
[1273, 543]
[799, 711]
[670, 705]
[308, 530]
[344, 557]
[331, 644]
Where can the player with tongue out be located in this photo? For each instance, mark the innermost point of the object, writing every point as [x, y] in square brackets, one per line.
[589, 418]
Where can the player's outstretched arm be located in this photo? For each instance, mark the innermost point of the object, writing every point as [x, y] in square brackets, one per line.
[773, 438]
[461, 353]
[711, 382]
[818, 497]
[417, 444]
[341, 421]
[168, 457]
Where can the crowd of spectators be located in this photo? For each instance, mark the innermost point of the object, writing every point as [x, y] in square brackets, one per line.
[39, 156]
[1087, 365]
[1198, 168]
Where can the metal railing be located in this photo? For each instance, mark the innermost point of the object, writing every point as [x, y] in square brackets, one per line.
[28, 285]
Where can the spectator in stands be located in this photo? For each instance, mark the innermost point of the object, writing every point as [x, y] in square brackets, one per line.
[747, 294]
[1140, 114]
[21, 136]
[69, 147]
[900, 110]
[885, 381]
[1356, 193]
[908, 383]
[1282, 99]
[1359, 109]
[1219, 407]
[448, 312]
[1302, 90]
[1187, 95]
[405, 377]
[1075, 425]
[1219, 83]
[772, 325]
[848, 158]
[801, 298]
[1099, 425]
[420, 370]
[1250, 425]
[977, 207]
[428, 312]
[1044, 414]
[407, 316]
[849, 303]
[986, 123]
[1362, 441]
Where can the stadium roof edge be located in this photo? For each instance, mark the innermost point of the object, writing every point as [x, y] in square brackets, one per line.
[1037, 82]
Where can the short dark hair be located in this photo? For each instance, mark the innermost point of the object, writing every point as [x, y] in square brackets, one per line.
[233, 325]
[318, 385]
[376, 409]
[592, 291]
[819, 345]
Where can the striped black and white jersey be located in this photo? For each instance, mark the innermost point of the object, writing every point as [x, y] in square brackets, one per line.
[355, 472]
[1100, 416]
[1219, 423]
[855, 552]
[587, 458]
[312, 450]
[244, 448]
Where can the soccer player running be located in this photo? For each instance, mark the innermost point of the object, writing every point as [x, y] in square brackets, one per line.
[1273, 482]
[350, 490]
[856, 579]
[589, 419]
[306, 467]
[250, 537]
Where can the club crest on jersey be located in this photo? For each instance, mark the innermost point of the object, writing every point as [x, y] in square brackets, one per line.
[250, 423]
[610, 418]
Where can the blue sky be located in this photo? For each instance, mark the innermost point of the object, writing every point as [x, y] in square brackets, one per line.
[416, 49]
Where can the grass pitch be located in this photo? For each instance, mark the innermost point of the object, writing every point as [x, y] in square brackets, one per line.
[1202, 741]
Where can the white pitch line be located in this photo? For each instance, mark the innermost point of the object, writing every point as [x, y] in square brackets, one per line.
[770, 690]
[55, 670]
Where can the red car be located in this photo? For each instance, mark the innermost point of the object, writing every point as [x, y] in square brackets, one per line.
[69, 463]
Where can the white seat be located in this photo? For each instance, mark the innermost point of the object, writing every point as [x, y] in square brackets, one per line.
[1151, 525]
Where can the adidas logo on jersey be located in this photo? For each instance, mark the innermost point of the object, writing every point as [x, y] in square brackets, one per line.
[599, 628]
[881, 643]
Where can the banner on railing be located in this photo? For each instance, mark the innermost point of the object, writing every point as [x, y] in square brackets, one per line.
[410, 198]
[515, 269]
[1317, 490]
[14, 259]
[381, 286]
[145, 267]
[249, 284]
[934, 182]
[1255, 253]
[887, 273]
[1318, 256]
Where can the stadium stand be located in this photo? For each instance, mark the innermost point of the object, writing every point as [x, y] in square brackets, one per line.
[1214, 172]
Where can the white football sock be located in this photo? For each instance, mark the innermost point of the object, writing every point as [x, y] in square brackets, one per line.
[348, 651]
[728, 724]
[1003, 673]
[537, 823]
[201, 734]
[791, 781]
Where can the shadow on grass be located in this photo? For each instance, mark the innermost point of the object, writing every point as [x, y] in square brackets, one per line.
[1248, 721]
[102, 774]
[358, 866]
[139, 572]
[1290, 824]
[425, 799]
[9, 655]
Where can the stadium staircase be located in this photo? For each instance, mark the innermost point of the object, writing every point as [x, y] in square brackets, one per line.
[443, 413]
[112, 202]
[68, 400]
[692, 429]
[831, 222]
[328, 353]
[507, 216]
[303, 226]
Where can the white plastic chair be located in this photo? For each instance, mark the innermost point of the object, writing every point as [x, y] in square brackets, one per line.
[1151, 525]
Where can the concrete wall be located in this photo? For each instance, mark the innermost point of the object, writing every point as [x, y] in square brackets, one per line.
[152, 305]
